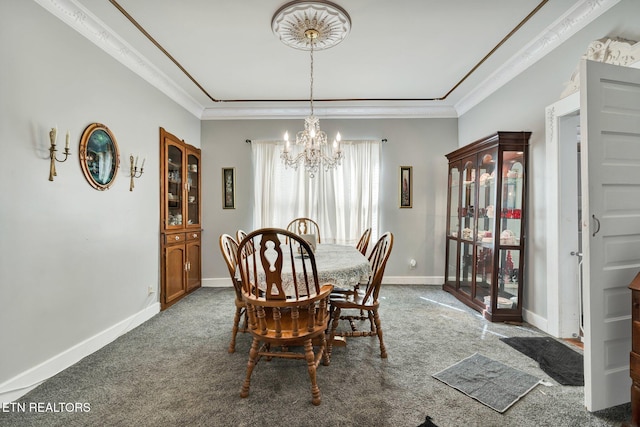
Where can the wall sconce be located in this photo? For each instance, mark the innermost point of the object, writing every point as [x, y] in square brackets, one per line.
[52, 152]
[135, 172]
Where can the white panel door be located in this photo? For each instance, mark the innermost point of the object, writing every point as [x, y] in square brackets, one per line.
[610, 126]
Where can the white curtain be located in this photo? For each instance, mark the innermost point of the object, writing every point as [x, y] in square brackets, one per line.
[343, 201]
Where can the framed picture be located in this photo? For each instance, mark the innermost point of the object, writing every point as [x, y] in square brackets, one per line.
[406, 186]
[229, 188]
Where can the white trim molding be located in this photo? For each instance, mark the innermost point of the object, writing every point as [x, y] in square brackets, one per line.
[329, 110]
[23, 383]
[83, 21]
[80, 19]
[578, 17]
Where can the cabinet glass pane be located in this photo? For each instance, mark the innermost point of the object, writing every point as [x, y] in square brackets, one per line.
[486, 196]
[508, 278]
[454, 195]
[174, 186]
[193, 169]
[484, 270]
[468, 201]
[512, 187]
[453, 260]
[466, 267]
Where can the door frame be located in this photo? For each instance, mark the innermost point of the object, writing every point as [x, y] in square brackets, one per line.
[561, 172]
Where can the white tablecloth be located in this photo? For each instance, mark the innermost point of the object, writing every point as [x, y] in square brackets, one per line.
[341, 265]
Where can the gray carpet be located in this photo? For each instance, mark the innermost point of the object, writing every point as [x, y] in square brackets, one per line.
[490, 382]
[174, 370]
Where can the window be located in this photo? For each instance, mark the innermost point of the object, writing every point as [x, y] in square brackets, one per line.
[344, 201]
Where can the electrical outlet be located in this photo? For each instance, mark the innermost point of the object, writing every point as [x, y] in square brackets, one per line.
[412, 264]
[151, 289]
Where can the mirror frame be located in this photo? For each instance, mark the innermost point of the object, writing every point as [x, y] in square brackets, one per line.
[84, 160]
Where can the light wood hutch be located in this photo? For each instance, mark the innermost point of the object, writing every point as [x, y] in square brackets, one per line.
[180, 223]
[486, 218]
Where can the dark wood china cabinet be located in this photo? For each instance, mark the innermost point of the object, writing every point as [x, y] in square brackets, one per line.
[180, 224]
[486, 224]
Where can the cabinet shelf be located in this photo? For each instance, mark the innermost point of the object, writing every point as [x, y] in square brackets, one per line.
[487, 185]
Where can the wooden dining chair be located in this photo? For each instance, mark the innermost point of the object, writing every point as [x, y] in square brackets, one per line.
[352, 306]
[284, 315]
[363, 243]
[240, 235]
[229, 249]
[305, 226]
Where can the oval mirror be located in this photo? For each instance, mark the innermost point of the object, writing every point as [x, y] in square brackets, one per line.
[99, 156]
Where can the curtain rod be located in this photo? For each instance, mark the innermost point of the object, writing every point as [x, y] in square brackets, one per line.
[248, 141]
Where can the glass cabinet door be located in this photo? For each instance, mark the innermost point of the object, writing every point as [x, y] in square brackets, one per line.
[453, 230]
[193, 192]
[486, 197]
[454, 200]
[512, 197]
[509, 279]
[174, 186]
[467, 225]
[485, 234]
[468, 201]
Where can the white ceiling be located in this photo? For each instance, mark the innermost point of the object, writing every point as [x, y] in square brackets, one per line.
[402, 57]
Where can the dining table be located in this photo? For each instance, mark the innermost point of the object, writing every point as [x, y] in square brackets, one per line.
[340, 265]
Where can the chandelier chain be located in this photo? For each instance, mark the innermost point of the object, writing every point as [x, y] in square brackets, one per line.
[311, 88]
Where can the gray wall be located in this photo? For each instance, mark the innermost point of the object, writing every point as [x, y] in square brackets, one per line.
[418, 232]
[74, 261]
[520, 104]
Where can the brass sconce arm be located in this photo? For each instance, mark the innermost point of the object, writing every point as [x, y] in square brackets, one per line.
[52, 152]
[134, 171]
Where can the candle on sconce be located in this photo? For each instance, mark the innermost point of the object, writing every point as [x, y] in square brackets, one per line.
[141, 167]
[136, 165]
[68, 138]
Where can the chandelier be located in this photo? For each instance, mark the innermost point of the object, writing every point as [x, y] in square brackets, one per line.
[311, 25]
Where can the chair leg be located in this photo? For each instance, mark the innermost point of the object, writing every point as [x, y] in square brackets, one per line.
[311, 366]
[253, 359]
[325, 352]
[372, 323]
[383, 349]
[234, 330]
[334, 326]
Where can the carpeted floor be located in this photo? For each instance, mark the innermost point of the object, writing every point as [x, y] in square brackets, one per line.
[174, 370]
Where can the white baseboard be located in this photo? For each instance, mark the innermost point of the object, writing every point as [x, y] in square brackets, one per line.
[388, 280]
[413, 280]
[23, 383]
[217, 283]
[535, 320]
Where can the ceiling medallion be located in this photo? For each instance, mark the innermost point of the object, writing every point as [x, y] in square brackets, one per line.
[329, 22]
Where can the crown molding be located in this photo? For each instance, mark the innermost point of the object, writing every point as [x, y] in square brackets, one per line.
[80, 19]
[83, 21]
[328, 110]
[576, 18]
